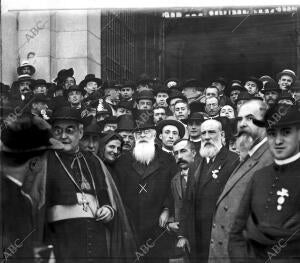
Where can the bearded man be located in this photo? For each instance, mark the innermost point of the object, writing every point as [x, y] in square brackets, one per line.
[144, 178]
[203, 189]
[255, 154]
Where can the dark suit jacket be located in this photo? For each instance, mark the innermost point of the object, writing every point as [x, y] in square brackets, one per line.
[225, 162]
[145, 190]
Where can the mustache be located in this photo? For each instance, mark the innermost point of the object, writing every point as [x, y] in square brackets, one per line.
[181, 161]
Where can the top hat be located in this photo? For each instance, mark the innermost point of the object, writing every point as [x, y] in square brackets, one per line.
[91, 78]
[125, 123]
[63, 74]
[171, 121]
[271, 86]
[143, 120]
[287, 72]
[258, 83]
[66, 114]
[26, 64]
[289, 115]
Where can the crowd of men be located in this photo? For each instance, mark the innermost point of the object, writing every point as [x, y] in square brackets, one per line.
[150, 171]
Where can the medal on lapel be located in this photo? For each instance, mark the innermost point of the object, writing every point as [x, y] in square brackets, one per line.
[281, 199]
[215, 173]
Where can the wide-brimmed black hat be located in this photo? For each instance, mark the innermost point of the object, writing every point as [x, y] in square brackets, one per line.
[161, 89]
[23, 65]
[174, 94]
[63, 74]
[271, 86]
[266, 78]
[41, 82]
[74, 88]
[258, 83]
[125, 123]
[145, 95]
[234, 86]
[40, 98]
[287, 72]
[92, 129]
[197, 106]
[26, 134]
[280, 115]
[91, 78]
[171, 121]
[244, 95]
[128, 83]
[143, 120]
[67, 114]
[286, 95]
[195, 116]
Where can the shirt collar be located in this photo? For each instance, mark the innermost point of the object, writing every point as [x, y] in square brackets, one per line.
[197, 140]
[14, 180]
[257, 146]
[166, 150]
[288, 160]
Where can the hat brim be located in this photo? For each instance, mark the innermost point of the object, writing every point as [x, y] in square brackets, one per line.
[163, 123]
[52, 120]
[280, 74]
[86, 81]
[32, 68]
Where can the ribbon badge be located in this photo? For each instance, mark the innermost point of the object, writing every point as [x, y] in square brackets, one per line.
[281, 199]
[215, 173]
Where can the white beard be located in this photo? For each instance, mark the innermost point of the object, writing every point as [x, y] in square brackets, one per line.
[144, 152]
[244, 143]
[210, 150]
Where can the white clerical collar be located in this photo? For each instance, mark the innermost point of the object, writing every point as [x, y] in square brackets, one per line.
[197, 140]
[288, 160]
[14, 180]
[257, 146]
[166, 150]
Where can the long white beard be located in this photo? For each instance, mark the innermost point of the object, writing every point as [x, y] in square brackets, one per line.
[244, 143]
[210, 150]
[144, 152]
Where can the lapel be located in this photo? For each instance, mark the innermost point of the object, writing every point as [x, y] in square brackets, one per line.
[177, 182]
[242, 169]
[217, 165]
[143, 170]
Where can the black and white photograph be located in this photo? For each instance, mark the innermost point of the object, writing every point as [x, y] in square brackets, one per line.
[150, 131]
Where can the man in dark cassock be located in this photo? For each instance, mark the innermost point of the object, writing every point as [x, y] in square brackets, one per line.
[267, 225]
[203, 189]
[85, 215]
[23, 145]
[144, 178]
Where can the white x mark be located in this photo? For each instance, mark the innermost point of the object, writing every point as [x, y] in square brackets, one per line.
[142, 188]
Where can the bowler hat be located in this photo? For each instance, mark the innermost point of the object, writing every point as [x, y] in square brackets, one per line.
[129, 84]
[174, 94]
[67, 114]
[125, 123]
[280, 115]
[287, 72]
[90, 78]
[25, 77]
[195, 116]
[145, 95]
[271, 86]
[171, 121]
[24, 64]
[40, 82]
[92, 129]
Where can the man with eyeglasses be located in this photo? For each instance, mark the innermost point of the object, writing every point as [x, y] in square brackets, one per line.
[81, 197]
[144, 178]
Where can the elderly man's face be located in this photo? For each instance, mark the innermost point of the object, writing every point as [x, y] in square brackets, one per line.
[24, 87]
[90, 143]
[285, 81]
[284, 141]
[69, 133]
